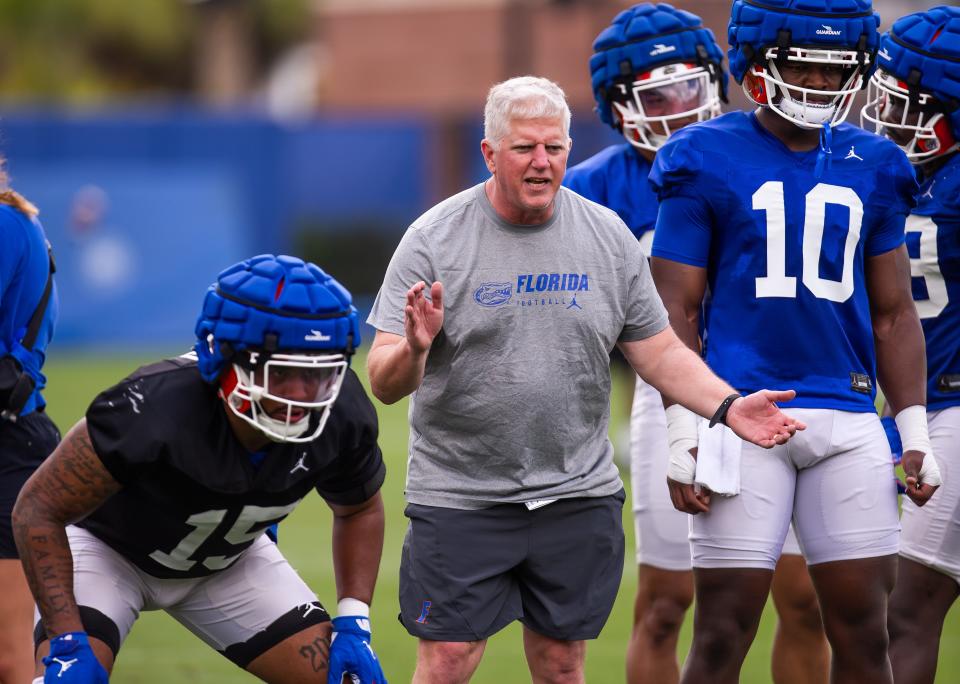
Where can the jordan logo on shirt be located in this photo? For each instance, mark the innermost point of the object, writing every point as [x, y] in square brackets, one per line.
[853, 155]
[929, 192]
[300, 465]
[573, 303]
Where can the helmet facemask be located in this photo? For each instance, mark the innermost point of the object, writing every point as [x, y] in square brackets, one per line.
[286, 396]
[662, 101]
[807, 107]
[915, 121]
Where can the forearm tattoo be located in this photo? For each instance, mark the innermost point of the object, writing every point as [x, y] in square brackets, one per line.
[70, 484]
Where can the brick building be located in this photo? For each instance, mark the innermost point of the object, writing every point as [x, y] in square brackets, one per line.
[441, 56]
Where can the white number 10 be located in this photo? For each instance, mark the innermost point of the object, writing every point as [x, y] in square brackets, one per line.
[769, 198]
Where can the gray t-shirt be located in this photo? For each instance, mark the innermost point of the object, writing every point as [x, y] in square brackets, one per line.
[515, 401]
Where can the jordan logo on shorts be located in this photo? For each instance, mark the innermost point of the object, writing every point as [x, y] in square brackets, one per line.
[64, 665]
[309, 608]
[424, 612]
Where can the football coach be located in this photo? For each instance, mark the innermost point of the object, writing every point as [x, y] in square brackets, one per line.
[498, 313]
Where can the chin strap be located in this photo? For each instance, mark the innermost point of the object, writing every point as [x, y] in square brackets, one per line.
[825, 153]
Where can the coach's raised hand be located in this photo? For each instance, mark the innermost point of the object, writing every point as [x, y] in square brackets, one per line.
[396, 363]
[423, 316]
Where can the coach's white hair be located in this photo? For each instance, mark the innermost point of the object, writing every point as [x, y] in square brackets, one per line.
[523, 97]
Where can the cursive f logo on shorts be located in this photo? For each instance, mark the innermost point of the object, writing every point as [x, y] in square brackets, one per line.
[424, 612]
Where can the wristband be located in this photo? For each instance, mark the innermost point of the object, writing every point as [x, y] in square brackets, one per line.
[721, 415]
[352, 606]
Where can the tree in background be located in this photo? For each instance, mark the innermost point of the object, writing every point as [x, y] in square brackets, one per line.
[91, 51]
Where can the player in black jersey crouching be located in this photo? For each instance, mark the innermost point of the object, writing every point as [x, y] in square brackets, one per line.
[159, 497]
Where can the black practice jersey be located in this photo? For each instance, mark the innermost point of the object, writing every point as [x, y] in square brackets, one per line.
[192, 500]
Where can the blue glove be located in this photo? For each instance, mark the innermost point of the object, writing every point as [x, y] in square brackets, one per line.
[351, 654]
[896, 447]
[71, 661]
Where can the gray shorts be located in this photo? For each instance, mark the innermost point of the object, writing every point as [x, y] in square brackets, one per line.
[241, 612]
[466, 574]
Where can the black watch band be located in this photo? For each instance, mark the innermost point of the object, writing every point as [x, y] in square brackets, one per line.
[721, 415]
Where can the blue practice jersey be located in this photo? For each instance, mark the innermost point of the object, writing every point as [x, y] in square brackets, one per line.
[616, 177]
[933, 241]
[23, 275]
[784, 251]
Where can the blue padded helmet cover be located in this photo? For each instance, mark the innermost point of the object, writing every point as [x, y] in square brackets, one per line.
[274, 303]
[646, 36]
[756, 25]
[923, 51]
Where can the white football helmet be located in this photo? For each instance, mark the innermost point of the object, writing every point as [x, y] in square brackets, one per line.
[284, 395]
[663, 100]
[916, 123]
[807, 107]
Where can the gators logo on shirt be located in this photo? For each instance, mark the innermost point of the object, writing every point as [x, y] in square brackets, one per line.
[493, 294]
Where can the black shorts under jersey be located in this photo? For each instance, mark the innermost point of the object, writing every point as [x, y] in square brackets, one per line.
[23, 447]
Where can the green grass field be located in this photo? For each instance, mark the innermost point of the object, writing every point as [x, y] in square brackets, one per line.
[160, 650]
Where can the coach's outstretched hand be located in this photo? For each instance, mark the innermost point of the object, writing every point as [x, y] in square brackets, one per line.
[71, 661]
[756, 418]
[351, 657]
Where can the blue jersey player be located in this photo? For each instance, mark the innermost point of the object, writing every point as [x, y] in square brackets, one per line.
[656, 69]
[27, 435]
[914, 99]
[795, 223]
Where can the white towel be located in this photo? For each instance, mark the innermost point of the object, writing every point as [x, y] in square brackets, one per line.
[718, 459]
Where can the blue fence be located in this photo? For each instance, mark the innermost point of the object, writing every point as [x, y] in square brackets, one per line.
[145, 207]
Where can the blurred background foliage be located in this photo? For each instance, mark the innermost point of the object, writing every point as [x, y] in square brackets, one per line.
[85, 52]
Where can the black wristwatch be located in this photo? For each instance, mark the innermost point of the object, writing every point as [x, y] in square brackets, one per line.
[721, 415]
